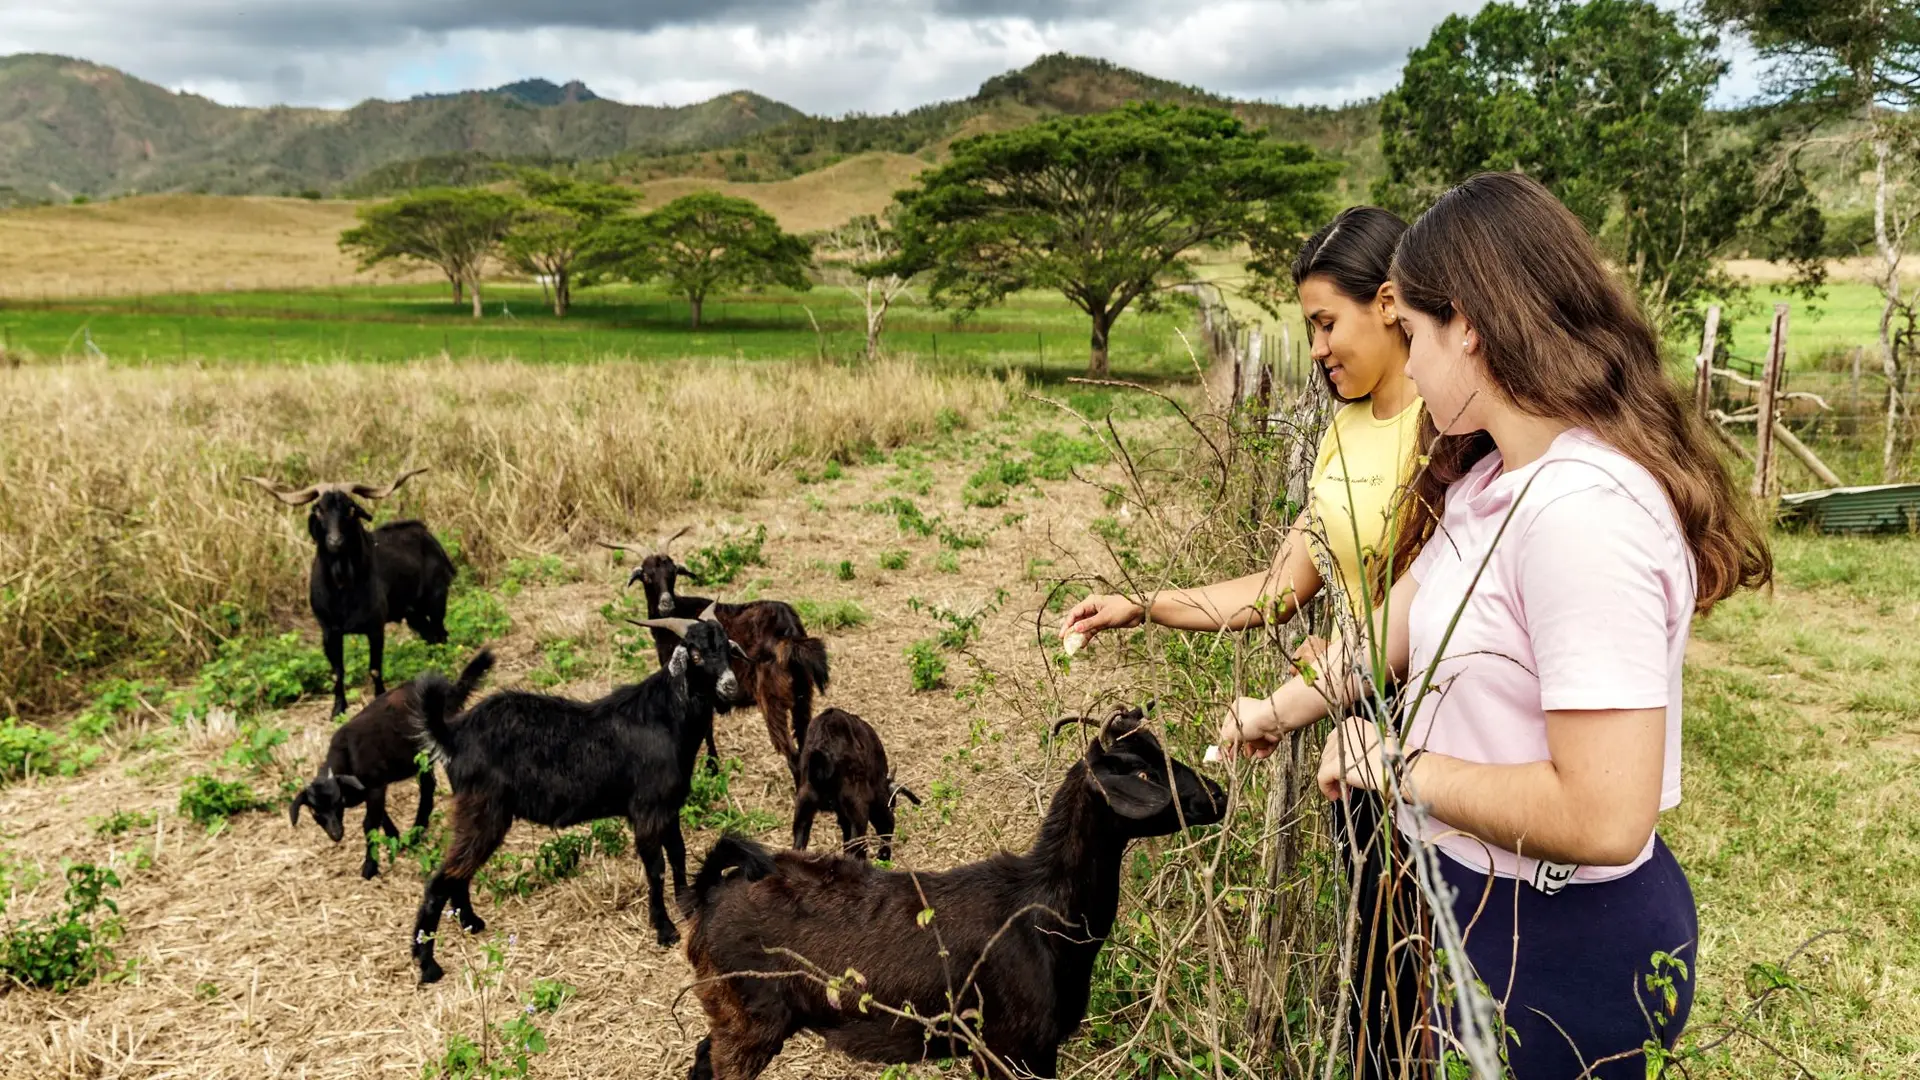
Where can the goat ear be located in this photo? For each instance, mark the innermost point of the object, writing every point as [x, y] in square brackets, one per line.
[293, 812]
[677, 663]
[900, 790]
[352, 782]
[734, 646]
[1129, 795]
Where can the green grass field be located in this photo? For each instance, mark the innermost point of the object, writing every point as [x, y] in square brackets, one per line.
[1038, 332]
[1817, 331]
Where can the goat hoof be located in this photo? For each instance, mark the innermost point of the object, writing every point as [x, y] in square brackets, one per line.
[473, 924]
[369, 870]
[667, 936]
[430, 971]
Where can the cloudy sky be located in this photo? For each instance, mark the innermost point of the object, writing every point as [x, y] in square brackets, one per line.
[823, 56]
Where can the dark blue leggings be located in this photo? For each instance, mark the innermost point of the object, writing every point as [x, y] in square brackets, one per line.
[1583, 960]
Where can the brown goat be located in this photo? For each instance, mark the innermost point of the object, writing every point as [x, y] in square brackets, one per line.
[843, 768]
[781, 668]
[1012, 938]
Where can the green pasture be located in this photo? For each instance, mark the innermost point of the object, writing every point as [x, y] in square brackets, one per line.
[389, 323]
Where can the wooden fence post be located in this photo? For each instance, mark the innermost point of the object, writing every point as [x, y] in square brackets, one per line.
[1250, 368]
[1769, 383]
[1703, 366]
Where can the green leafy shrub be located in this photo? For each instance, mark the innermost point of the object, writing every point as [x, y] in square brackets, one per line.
[844, 571]
[547, 995]
[28, 750]
[120, 822]
[1056, 454]
[113, 701]
[61, 951]
[894, 560]
[907, 515]
[565, 662]
[208, 801]
[710, 803]
[722, 562]
[254, 748]
[926, 668]
[993, 483]
[831, 614]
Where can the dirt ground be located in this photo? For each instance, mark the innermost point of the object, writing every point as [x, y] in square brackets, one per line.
[260, 953]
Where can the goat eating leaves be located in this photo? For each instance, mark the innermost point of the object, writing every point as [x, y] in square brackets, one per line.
[1007, 943]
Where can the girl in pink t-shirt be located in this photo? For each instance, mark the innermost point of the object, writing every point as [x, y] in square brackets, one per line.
[1572, 520]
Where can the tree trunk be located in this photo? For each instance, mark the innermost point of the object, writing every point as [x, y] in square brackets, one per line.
[476, 297]
[1097, 357]
[693, 304]
[459, 289]
[562, 294]
[876, 320]
[1890, 291]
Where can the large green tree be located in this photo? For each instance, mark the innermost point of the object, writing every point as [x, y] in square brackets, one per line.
[1859, 60]
[699, 243]
[1604, 102]
[455, 229]
[1105, 209]
[560, 217]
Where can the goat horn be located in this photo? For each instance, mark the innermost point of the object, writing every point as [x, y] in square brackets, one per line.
[291, 498]
[711, 614]
[368, 491]
[611, 546]
[635, 576]
[666, 546]
[1061, 724]
[674, 626]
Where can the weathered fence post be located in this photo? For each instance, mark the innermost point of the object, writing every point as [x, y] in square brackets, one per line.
[1250, 368]
[1769, 384]
[1703, 366]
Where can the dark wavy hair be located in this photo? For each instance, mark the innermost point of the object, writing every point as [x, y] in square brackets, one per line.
[1561, 337]
[1355, 252]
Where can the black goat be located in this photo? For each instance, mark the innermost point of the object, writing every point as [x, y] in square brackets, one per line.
[378, 747]
[843, 768]
[361, 580]
[553, 761]
[779, 665]
[1014, 937]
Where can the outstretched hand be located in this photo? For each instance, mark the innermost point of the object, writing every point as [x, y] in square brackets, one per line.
[1101, 612]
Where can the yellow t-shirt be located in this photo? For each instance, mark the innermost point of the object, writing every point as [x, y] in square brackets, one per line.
[1362, 464]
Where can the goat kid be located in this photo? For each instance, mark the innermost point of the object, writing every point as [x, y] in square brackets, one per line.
[376, 748]
[1013, 937]
[779, 665]
[361, 581]
[844, 769]
[558, 762]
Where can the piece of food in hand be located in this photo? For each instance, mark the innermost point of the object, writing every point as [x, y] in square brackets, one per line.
[1212, 755]
[1074, 642]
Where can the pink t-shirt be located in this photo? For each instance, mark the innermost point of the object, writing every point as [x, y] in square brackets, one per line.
[1584, 603]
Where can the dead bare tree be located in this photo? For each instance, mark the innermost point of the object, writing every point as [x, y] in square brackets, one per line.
[855, 251]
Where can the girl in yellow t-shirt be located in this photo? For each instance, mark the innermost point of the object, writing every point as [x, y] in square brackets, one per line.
[1365, 458]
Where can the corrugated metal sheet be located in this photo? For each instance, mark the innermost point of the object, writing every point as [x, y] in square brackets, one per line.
[1881, 508]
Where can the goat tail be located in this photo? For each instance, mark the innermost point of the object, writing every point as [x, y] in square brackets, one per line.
[470, 677]
[434, 694]
[732, 856]
[809, 655]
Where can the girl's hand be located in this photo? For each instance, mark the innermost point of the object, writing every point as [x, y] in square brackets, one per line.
[1103, 612]
[1311, 653]
[1352, 757]
[1251, 727]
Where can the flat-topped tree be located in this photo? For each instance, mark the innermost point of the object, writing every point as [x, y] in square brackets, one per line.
[560, 218]
[698, 243]
[1106, 208]
[455, 229]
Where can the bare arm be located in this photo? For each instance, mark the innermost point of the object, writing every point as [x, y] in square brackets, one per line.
[1595, 801]
[1236, 604]
[1257, 723]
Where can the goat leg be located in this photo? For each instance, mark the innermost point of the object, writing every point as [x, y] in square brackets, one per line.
[376, 656]
[676, 857]
[426, 922]
[648, 849]
[804, 808]
[883, 828]
[332, 645]
[423, 813]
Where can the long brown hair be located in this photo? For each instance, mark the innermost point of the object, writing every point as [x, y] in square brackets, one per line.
[1561, 337]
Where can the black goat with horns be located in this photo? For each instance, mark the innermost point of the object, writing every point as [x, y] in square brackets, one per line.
[361, 580]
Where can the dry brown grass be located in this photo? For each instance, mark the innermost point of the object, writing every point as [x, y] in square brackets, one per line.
[261, 953]
[821, 199]
[177, 243]
[124, 523]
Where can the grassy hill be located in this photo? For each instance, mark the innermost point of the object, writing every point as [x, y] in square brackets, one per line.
[69, 127]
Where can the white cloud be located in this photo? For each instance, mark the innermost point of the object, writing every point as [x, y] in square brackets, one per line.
[825, 56]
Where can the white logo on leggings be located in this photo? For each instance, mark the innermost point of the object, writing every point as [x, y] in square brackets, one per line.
[1550, 877]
